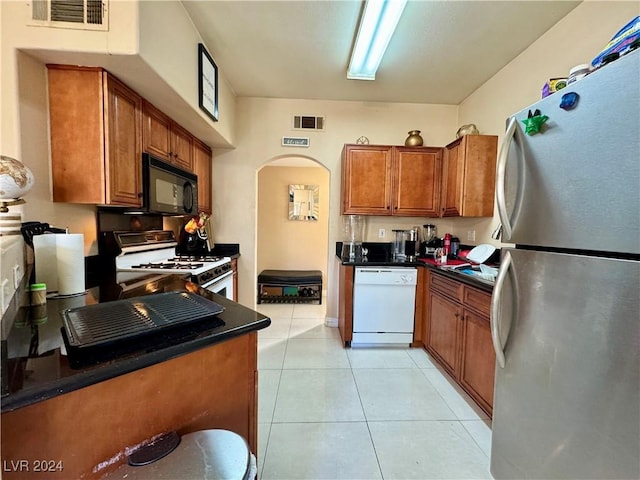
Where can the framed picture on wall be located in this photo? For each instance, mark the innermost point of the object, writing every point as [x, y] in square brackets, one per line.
[207, 83]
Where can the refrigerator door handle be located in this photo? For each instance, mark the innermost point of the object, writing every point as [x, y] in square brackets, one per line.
[500, 180]
[496, 299]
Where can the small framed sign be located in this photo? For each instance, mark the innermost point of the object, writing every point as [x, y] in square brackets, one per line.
[207, 83]
[295, 141]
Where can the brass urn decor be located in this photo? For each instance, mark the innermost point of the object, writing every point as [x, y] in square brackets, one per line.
[414, 139]
[469, 129]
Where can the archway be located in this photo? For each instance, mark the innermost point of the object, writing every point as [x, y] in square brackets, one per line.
[284, 244]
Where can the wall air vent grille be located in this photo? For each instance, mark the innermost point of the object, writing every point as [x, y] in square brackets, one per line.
[75, 14]
[308, 122]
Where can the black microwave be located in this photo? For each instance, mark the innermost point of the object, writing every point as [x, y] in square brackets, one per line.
[167, 189]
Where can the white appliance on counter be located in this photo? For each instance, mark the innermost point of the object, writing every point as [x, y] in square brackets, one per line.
[384, 305]
[564, 315]
[154, 252]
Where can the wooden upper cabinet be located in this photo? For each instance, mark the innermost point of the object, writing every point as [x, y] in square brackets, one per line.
[452, 181]
[416, 181]
[156, 134]
[165, 139]
[202, 168]
[468, 176]
[124, 155]
[182, 147]
[366, 179]
[96, 131]
[389, 180]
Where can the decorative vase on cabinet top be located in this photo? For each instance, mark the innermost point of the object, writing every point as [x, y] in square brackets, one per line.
[414, 139]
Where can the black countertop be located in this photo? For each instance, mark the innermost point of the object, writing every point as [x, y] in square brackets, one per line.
[35, 364]
[380, 256]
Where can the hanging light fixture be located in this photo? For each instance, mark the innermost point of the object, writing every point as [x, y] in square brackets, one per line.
[379, 21]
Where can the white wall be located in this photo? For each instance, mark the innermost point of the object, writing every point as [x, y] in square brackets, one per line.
[169, 44]
[15, 34]
[153, 64]
[284, 244]
[575, 39]
[261, 125]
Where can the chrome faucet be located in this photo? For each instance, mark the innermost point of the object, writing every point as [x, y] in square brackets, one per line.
[497, 233]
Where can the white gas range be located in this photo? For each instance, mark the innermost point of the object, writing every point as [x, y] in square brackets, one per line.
[154, 252]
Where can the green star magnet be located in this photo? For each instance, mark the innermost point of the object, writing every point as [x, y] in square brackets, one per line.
[534, 122]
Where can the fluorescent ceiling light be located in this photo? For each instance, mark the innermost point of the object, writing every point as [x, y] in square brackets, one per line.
[377, 25]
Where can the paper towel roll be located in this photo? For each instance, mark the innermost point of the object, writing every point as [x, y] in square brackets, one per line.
[45, 257]
[70, 253]
[59, 260]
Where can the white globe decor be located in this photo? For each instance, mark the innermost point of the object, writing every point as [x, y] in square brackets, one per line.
[15, 181]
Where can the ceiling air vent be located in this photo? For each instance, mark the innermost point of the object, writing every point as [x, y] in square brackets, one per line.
[76, 14]
[308, 122]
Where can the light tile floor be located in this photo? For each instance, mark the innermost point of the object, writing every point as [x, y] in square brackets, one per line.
[326, 412]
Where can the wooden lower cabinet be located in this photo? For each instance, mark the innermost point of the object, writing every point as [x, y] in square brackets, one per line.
[457, 333]
[478, 364]
[345, 304]
[444, 329]
[87, 431]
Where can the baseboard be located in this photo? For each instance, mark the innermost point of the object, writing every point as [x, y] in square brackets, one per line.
[331, 322]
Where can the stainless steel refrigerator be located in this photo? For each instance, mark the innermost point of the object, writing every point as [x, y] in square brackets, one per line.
[565, 313]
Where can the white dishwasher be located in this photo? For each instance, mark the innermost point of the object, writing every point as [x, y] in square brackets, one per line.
[384, 304]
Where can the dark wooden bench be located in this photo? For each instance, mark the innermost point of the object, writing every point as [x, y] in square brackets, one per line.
[290, 286]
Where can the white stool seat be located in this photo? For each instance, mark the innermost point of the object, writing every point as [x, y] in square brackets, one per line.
[206, 454]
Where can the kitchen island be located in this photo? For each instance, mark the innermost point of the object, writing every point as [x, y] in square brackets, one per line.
[77, 417]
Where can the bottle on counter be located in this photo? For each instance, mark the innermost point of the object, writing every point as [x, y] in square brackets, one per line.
[38, 293]
[447, 244]
[455, 247]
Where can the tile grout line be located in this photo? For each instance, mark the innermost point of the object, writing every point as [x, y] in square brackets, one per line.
[414, 363]
[281, 369]
[366, 420]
